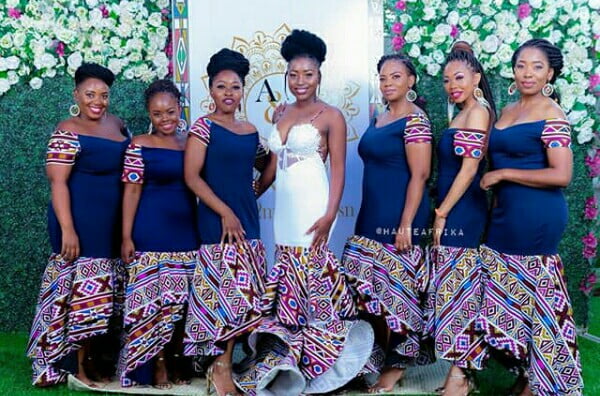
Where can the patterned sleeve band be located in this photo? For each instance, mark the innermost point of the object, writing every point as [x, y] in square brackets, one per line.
[469, 143]
[418, 129]
[201, 130]
[133, 166]
[556, 133]
[63, 148]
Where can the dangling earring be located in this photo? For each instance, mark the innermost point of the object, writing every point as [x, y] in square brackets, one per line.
[74, 110]
[548, 89]
[512, 88]
[287, 98]
[211, 105]
[411, 95]
[450, 109]
[150, 128]
[478, 94]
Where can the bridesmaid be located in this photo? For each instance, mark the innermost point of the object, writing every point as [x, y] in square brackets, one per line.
[159, 243]
[220, 154]
[77, 297]
[460, 218]
[526, 308]
[384, 257]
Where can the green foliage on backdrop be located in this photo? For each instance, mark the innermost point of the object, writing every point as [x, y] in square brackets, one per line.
[27, 118]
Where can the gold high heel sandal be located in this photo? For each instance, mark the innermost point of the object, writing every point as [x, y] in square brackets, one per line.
[211, 386]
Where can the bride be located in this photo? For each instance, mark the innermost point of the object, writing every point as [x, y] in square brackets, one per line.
[310, 340]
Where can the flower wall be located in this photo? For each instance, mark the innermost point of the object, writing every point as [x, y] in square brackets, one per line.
[426, 30]
[40, 39]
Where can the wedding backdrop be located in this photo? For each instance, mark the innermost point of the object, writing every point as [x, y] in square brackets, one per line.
[42, 43]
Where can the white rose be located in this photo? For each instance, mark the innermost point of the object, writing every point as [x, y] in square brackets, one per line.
[492, 62]
[475, 21]
[19, 39]
[162, 72]
[134, 57]
[487, 10]
[498, 3]
[526, 22]
[535, 3]
[463, 20]
[44, 60]
[405, 19]
[4, 85]
[438, 56]
[429, 13]
[81, 13]
[413, 35]
[433, 69]
[504, 53]
[96, 17]
[506, 71]
[74, 60]
[114, 65]
[585, 135]
[453, 18]
[414, 51]
[425, 59]
[6, 41]
[160, 60]
[50, 73]
[155, 19]
[124, 29]
[555, 36]
[469, 36]
[490, 44]
[36, 83]
[594, 4]
[513, 2]
[563, 19]
[438, 37]
[586, 66]
[24, 71]
[162, 31]
[91, 3]
[162, 3]
[524, 35]
[428, 45]
[12, 62]
[12, 77]
[575, 116]
[3, 64]
[464, 3]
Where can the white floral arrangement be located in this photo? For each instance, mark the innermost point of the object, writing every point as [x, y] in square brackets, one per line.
[40, 39]
[426, 29]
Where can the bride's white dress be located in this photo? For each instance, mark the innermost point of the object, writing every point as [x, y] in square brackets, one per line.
[310, 340]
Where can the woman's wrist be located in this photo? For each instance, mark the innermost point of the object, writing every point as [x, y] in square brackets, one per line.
[440, 213]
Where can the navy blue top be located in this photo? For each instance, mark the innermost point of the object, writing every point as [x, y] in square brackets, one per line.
[527, 220]
[95, 192]
[466, 221]
[386, 176]
[165, 216]
[228, 170]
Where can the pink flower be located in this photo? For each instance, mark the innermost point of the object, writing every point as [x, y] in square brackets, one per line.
[60, 49]
[587, 283]
[401, 5]
[524, 10]
[14, 13]
[398, 43]
[104, 11]
[593, 163]
[454, 32]
[589, 253]
[590, 243]
[397, 28]
[591, 209]
[594, 80]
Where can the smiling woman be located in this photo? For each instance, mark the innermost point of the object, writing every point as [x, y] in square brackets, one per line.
[83, 165]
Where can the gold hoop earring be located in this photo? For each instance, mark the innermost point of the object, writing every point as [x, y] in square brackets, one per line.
[548, 89]
[74, 110]
[512, 88]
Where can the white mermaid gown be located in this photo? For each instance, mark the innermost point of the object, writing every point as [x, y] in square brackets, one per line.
[312, 342]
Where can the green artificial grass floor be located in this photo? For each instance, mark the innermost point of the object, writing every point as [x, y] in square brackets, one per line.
[15, 371]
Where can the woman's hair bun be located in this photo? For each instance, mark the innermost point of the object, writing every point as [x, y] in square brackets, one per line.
[303, 43]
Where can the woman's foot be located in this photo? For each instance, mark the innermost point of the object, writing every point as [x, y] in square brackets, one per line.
[219, 376]
[458, 383]
[180, 368]
[387, 380]
[81, 376]
[161, 377]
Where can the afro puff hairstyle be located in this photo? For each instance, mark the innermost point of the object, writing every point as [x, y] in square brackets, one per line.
[227, 59]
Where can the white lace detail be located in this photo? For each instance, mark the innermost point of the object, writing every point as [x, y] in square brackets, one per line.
[303, 142]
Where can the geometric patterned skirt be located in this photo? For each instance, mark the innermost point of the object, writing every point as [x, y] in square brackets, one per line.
[225, 296]
[156, 298]
[526, 312]
[309, 341]
[391, 285]
[76, 302]
[455, 299]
